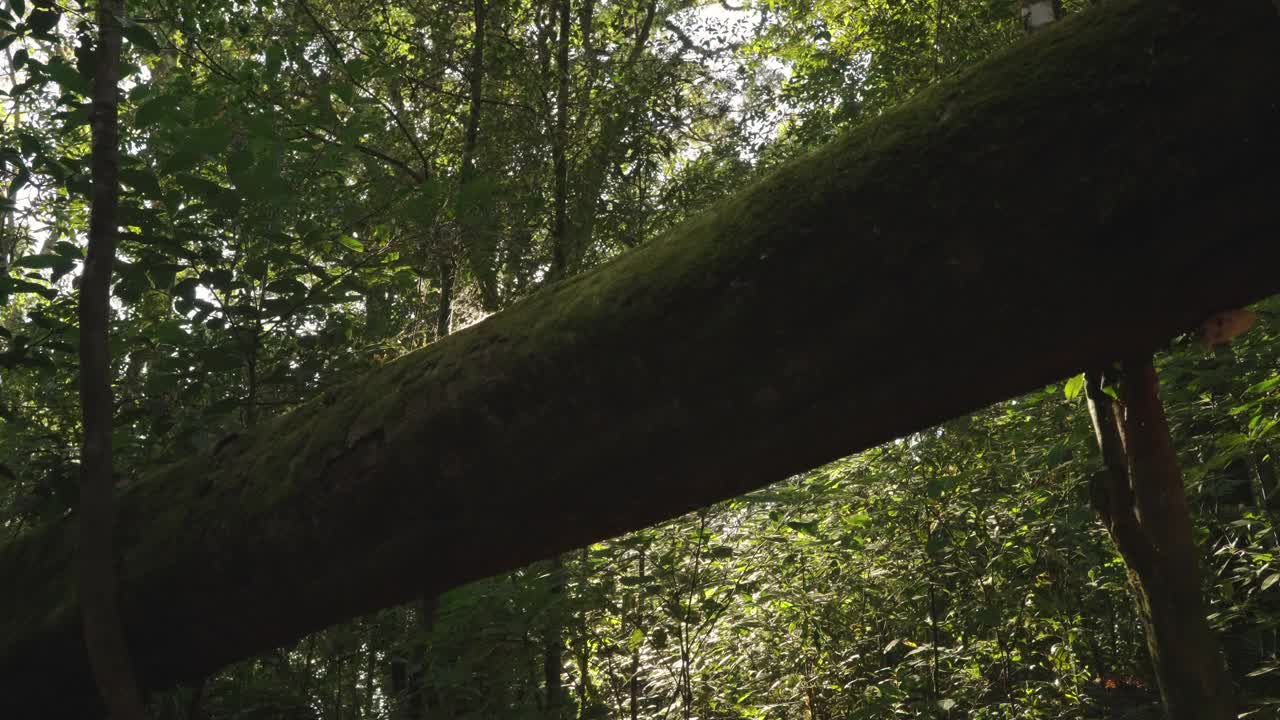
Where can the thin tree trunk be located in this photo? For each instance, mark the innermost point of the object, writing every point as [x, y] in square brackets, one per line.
[370, 672]
[251, 378]
[9, 245]
[419, 702]
[1141, 500]
[584, 646]
[553, 642]
[103, 632]
[636, 619]
[561, 253]
[471, 135]
[194, 709]
[933, 639]
[444, 315]
[477, 243]
[336, 712]
[601, 157]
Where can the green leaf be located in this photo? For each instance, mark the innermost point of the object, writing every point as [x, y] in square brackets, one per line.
[1073, 387]
[805, 528]
[219, 278]
[142, 181]
[256, 267]
[155, 110]
[66, 76]
[140, 36]
[42, 262]
[1263, 386]
[858, 519]
[44, 17]
[212, 140]
[1271, 580]
[78, 116]
[288, 286]
[13, 285]
[275, 58]
[351, 243]
[180, 161]
[219, 358]
[186, 289]
[356, 67]
[239, 165]
[162, 275]
[132, 282]
[170, 332]
[202, 187]
[345, 92]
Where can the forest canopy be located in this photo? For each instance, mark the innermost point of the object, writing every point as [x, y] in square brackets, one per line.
[716, 247]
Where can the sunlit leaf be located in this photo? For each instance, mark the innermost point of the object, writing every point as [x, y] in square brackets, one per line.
[1073, 387]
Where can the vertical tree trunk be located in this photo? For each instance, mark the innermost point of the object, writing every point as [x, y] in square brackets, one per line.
[8, 230]
[561, 253]
[419, 691]
[337, 664]
[602, 157]
[370, 673]
[377, 316]
[195, 711]
[103, 632]
[471, 135]
[553, 642]
[477, 240]
[584, 645]
[444, 314]
[633, 686]
[1140, 498]
[250, 414]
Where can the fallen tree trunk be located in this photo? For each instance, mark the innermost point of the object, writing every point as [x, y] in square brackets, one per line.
[921, 267]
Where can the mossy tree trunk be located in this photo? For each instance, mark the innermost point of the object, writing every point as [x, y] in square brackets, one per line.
[912, 271]
[1140, 498]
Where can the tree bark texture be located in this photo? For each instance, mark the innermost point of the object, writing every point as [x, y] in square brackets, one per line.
[914, 270]
[104, 637]
[1144, 506]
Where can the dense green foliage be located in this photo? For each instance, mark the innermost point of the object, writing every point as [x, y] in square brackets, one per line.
[314, 186]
